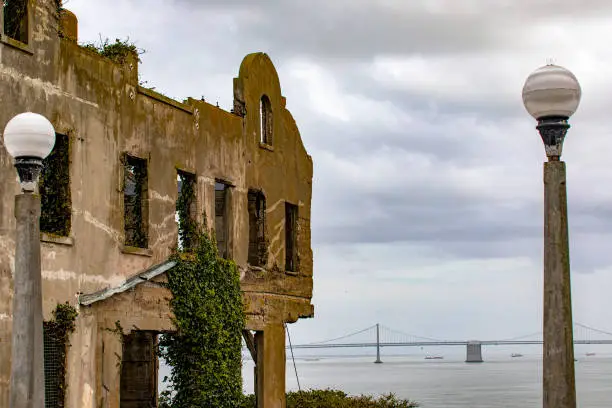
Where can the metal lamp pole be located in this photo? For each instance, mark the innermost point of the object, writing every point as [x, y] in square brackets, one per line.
[29, 138]
[551, 95]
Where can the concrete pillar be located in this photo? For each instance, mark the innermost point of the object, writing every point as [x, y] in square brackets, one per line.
[558, 366]
[27, 370]
[271, 363]
[474, 352]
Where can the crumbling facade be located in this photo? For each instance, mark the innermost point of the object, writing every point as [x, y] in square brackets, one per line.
[111, 202]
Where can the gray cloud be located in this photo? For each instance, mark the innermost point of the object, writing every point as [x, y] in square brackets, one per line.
[420, 142]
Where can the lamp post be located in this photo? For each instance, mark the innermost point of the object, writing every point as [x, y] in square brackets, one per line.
[551, 95]
[29, 138]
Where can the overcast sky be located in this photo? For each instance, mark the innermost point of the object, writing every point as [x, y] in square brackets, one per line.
[427, 196]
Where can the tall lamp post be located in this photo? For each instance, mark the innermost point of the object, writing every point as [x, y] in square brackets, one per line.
[29, 138]
[551, 95]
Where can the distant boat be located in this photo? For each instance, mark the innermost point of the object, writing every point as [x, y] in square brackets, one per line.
[516, 355]
[590, 354]
[434, 358]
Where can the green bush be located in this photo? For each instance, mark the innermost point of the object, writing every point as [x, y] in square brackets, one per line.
[336, 399]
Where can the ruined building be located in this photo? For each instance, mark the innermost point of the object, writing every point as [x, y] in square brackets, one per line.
[109, 201]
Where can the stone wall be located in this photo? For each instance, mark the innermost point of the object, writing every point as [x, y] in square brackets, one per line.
[106, 114]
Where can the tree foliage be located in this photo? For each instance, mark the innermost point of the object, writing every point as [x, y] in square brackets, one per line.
[204, 352]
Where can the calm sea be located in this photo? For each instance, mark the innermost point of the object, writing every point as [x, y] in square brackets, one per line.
[500, 382]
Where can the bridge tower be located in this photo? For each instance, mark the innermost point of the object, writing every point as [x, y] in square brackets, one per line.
[378, 360]
[474, 352]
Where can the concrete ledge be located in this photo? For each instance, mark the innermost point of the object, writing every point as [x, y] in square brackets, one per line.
[56, 239]
[16, 44]
[266, 146]
[136, 251]
[162, 98]
[292, 273]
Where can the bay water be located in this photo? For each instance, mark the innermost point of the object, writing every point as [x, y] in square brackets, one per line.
[500, 381]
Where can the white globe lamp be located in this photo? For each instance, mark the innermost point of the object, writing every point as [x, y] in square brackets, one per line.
[29, 138]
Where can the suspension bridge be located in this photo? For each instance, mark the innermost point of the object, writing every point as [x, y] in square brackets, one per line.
[379, 336]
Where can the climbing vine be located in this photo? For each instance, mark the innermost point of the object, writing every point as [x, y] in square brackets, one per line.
[187, 227]
[204, 352]
[57, 334]
[54, 188]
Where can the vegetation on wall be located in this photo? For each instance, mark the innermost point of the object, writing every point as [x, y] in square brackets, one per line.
[58, 330]
[187, 226]
[336, 399]
[117, 51]
[54, 189]
[15, 19]
[204, 352]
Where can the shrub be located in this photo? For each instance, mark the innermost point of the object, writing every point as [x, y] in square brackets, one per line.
[336, 399]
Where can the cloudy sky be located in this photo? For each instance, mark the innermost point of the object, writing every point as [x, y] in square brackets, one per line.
[427, 203]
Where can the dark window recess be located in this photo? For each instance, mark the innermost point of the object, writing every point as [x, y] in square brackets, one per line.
[139, 367]
[265, 120]
[221, 218]
[16, 20]
[54, 188]
[135, 203]
[257, 232]
[186, 210]
[55, 369]
[291, 212]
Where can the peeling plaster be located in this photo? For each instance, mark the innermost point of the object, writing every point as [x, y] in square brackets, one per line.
[64, 275]
[166, 198]
[273, 207]
[5, 317]
[114, 234]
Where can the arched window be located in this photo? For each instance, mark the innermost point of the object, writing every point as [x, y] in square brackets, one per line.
[265, 121]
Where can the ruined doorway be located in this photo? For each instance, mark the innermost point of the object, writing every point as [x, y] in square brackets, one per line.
[139, 368]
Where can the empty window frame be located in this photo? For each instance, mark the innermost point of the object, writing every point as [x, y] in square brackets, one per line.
[222, 218]
[186, 210]
[54, 188]
[257, 224]
[135, 203]
[139, 370]
[265, 120]
[16, 19]
[291, 214]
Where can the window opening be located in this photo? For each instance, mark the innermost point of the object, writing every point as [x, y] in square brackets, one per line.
[139, 368]
[257, 223]
[54, 189]
[135, 202]
[265, 120]
[16, 19]
[54, 352]
[221, 218]
[291, 237]
[186, 209]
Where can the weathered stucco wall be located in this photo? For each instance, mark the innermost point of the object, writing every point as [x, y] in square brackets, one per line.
[105, 113]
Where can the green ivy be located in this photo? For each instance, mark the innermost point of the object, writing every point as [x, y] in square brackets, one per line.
[117, 51]
[54, 188]
[187, 227]
[59, 329]
[204, 352]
